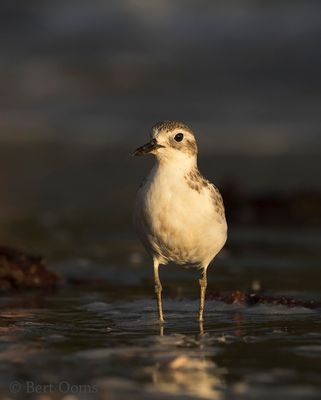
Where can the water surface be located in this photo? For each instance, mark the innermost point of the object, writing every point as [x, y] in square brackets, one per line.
[98, 335]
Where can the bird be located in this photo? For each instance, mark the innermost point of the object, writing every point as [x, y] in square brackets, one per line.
[179, 215]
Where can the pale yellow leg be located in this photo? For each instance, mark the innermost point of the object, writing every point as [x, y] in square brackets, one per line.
[158, 291]
[203, 285]
[201, 326]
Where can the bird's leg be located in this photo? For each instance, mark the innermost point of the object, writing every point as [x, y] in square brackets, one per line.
[203, 284]
[201, 326]
[161, 329]
[158, 290]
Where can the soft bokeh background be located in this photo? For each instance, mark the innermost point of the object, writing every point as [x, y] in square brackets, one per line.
[82, 83]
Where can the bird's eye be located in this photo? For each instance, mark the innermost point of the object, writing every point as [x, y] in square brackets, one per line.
[179, 137]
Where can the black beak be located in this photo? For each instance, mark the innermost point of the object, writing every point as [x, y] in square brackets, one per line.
[147, 148]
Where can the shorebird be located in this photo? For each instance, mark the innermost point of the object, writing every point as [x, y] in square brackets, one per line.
[179, 215]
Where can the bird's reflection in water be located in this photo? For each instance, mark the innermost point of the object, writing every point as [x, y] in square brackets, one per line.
[185, 368]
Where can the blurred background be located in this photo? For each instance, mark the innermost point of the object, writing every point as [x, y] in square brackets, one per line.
[83, 82]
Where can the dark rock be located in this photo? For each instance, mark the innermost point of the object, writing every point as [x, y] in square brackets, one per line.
[19, 270]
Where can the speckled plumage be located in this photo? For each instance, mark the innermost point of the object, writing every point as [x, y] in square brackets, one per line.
[197, 182]
[169, 126]
[179, 215]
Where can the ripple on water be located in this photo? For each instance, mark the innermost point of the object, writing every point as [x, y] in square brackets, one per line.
[312, 350]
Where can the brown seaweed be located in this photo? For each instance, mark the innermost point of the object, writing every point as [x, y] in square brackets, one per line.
[252, 299]
[19, 270]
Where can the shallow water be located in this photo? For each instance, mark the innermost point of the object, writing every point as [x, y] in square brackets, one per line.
[98, 337]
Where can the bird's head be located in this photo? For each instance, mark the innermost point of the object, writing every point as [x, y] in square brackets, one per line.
[170, 140]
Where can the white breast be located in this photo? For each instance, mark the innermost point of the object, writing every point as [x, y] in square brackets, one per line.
[177, 223]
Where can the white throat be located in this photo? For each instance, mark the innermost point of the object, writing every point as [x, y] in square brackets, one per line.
[175, 162]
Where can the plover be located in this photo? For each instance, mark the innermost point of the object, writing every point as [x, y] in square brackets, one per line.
[179, 215]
